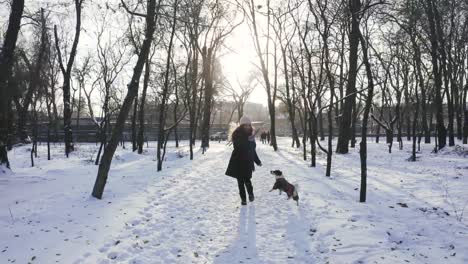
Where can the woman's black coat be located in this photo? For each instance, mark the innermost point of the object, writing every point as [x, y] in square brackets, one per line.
[242, 159]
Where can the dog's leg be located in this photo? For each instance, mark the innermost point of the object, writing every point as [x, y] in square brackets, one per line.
[279, 191]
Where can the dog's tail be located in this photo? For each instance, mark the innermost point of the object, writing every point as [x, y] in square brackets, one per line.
[296, 193]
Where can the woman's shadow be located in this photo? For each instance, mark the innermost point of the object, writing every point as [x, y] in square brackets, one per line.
[244, 247]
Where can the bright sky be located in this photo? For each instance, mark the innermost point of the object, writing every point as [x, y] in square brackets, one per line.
[238, 58]
[241, 61]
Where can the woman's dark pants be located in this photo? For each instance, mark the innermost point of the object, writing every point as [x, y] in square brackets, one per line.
[244, 183]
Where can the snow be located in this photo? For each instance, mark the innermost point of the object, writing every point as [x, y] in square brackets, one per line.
[191, 213]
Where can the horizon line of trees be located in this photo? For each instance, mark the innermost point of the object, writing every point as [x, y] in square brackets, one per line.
[399, 64]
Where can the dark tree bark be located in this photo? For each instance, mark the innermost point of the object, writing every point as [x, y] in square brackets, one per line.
[415, 124]
[50, 119]
[162, 137]
[418, 63]
[353, 127]
[365, 118]
[344, 132]
[176, 105]
[320, 119]
[134, 124]
[207, 54]
[6, 63]
[438, 100]
[465, 128]
[313, 139]
[408, 110]
[141, 113]
[446, 70]
[191, 85]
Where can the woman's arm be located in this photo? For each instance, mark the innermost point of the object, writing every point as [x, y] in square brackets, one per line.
[256, 159]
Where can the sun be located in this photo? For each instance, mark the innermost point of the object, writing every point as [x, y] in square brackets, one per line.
[239, 55]
[239, 60]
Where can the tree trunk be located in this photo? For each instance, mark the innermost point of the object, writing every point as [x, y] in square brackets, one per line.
[313, 137]
[344, 132]
[193, 98]
[441, 130]
[320, 119]
[165, 94]
[134, 125]
[176, 106]
[353, 126]
[465, 128]
[141, 113]
[78, 115]
[407, 115]
[271, 95]
[415, 118]
[6, 63]
[34, 80]
[365, 118]
[66, 72]
[109, 151]
[207, 54]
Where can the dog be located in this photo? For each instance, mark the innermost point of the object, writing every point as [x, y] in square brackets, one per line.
[283, 185]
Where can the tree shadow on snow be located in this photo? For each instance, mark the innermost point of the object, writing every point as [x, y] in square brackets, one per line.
[244, 247]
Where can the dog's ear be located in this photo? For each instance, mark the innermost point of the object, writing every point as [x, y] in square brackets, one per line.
[276, 172]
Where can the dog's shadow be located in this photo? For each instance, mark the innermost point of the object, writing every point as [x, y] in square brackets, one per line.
[244, 247]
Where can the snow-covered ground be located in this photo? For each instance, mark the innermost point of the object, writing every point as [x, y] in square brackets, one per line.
[190, 212]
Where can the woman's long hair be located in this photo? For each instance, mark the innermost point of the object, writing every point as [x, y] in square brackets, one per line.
[232, 127]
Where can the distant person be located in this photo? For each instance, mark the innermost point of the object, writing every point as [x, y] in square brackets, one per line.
[268, 136]
[241, 165]
[263, 137]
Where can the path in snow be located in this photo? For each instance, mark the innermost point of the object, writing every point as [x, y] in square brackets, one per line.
[190, 212]
[194, 215]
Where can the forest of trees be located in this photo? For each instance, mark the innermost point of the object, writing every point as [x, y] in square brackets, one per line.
[345, 63]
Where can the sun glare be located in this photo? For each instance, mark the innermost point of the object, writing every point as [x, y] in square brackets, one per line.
[238, 62]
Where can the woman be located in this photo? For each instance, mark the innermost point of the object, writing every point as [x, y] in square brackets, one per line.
[242, 159]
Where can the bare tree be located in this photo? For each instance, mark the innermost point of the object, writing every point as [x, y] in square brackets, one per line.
[165, 90]
[325, 17]
[6, 61]
[431, 9]
[240, 95]
[66, 72]
[251, 12]
[344, 132]
[82, 73]
[109, 151]
[222, 21]
[280, 27]
[35, 67]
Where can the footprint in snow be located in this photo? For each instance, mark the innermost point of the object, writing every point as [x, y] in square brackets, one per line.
[112, 255]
